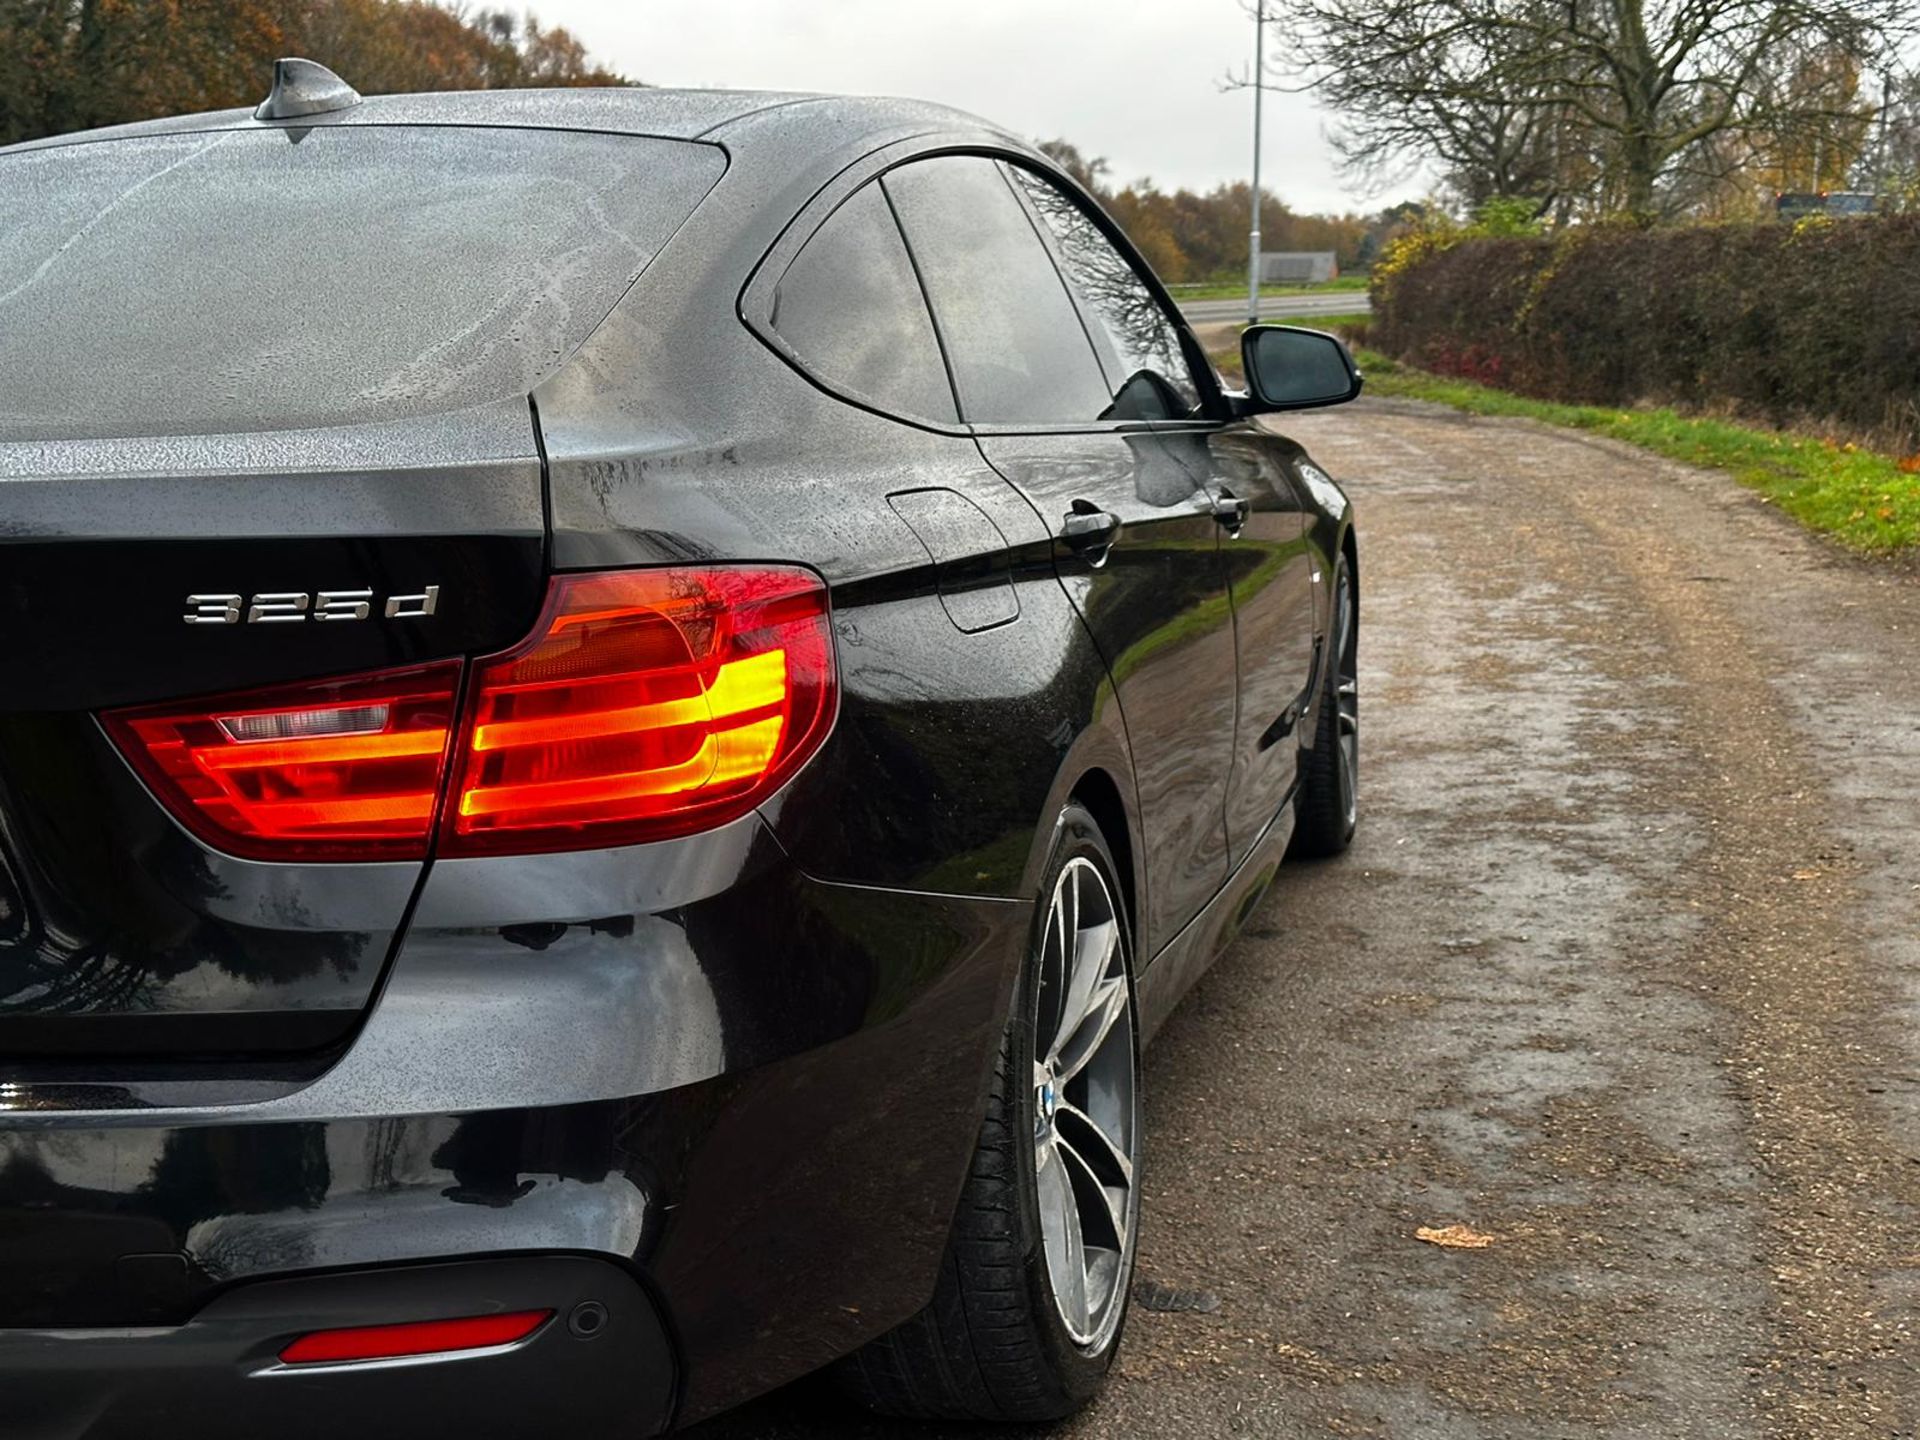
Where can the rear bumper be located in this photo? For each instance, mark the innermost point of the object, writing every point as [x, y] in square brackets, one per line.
[755, 1092]
[600, 1365]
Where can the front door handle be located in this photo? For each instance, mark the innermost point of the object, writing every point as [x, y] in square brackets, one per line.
[1089, 531]
[1230, 511]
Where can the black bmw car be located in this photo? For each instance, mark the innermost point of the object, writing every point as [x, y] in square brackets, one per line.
[619, 711]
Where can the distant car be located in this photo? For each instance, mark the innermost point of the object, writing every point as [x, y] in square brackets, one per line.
[621, 710]
[1850, 204]
[1842, 204]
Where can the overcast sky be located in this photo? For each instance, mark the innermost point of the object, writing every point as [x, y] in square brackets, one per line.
[1136, 82]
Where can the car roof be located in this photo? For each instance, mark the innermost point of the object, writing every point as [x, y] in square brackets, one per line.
[823, 122]
[776, 143]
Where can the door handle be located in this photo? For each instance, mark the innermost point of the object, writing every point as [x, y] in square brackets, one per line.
[1230, 511]
[1089, 531]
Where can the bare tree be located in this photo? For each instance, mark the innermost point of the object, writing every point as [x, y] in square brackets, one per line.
[1891, 164]
[1486, 141]
[1090, 170]
[1617, 97]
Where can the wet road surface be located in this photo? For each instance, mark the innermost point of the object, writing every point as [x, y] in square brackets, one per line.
[1623, 971]
[1279, 307]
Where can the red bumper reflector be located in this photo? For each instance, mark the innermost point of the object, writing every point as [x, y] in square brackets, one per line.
[424, 1337]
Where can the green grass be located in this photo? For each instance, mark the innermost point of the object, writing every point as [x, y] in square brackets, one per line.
[1228, 290]
[1862, 498]
[1338, 323]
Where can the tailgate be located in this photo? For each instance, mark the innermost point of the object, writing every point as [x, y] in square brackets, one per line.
[121, 933]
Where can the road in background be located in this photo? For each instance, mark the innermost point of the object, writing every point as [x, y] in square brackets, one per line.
[1621, 972]
[1278, 307]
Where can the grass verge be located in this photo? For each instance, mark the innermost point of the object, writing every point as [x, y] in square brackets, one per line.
[1228, 290]
[1866, 500]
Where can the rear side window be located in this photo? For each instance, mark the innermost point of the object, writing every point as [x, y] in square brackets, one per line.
[302, 277]
[1139, 347]
[1019, 352]
[852, 311]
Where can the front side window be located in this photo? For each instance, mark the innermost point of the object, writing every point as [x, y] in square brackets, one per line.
[852, 311]
[1138, 344]
[1019, 352]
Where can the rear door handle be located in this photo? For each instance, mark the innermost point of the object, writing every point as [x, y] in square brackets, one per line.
[1230, 511]
[1089, 531]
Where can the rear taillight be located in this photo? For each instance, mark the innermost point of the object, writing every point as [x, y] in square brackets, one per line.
[339, 769]
[646, 704]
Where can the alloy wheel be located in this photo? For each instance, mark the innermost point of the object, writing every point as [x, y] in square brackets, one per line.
[1346, 698]
[1086, 1119]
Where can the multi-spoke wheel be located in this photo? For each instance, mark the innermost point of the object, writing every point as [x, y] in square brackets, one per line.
[1033, 1295]
[1085, 1125]
[1346, 694]
[1328, 807]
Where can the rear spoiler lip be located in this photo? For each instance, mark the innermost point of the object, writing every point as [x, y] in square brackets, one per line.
[456, 472]
[497, 429]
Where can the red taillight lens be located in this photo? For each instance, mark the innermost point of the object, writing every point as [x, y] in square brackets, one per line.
[339, 769]
[423, 1337]
[647, 703]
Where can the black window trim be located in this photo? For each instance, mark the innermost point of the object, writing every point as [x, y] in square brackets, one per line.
[755, 303]
[770, 333]
[926, 297]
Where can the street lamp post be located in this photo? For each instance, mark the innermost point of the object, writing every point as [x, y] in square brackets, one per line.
[1259, 87]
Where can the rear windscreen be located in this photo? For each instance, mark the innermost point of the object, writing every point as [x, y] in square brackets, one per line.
[288, 278]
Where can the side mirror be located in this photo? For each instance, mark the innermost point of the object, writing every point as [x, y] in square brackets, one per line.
[1289, 368]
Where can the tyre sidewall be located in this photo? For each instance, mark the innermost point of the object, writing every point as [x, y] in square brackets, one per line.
[1323, 825]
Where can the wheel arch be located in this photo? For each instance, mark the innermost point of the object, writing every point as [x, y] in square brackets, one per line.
[1100, 794]
[1350, 549]
[1096, 771]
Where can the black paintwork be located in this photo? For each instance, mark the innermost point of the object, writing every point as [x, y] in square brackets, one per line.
[747, 1065]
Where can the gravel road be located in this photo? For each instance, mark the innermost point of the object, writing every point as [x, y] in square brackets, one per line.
[1623, 971]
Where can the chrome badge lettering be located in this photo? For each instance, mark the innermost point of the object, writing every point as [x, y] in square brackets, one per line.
[213, 609]
[280, 607]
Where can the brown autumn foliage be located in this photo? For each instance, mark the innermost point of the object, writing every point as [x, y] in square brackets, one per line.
[1188, 235]
[75, 64]
[1192, 235]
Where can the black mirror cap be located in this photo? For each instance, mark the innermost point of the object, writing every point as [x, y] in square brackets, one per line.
[1292, 368]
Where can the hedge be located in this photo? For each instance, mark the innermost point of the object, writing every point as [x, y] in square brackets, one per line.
[1816, 324]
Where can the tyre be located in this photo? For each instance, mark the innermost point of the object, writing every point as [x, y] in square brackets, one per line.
[1327, 808]
[1032, 1294]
